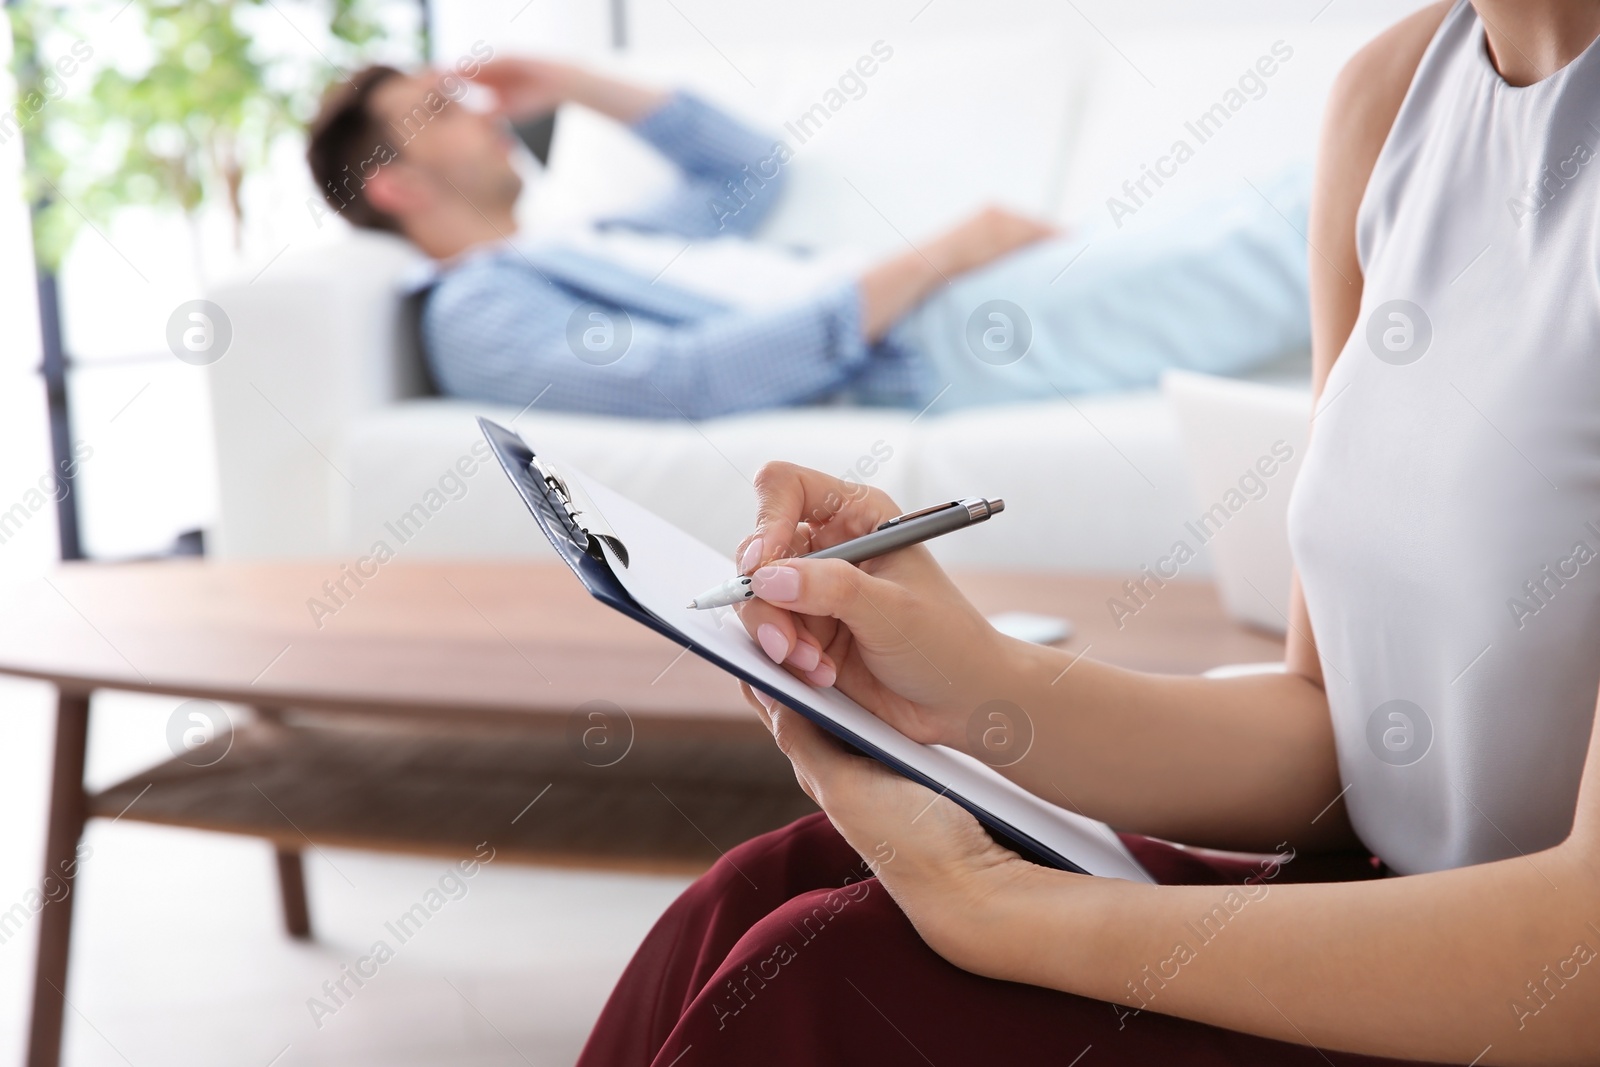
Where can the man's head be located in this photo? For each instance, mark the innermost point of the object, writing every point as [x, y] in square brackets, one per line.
[399, 152]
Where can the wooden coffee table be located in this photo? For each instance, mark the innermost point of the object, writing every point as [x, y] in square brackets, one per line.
[432, 706]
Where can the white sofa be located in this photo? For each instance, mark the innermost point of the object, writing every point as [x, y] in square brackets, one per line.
[323, 433]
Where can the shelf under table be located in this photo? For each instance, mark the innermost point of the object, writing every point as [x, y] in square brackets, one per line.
[674, 802]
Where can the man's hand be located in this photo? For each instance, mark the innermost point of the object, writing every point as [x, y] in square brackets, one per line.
[985, 237]
[525, 88]
[894, 287]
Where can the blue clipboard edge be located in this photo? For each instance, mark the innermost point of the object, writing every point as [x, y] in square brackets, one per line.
[592, 569]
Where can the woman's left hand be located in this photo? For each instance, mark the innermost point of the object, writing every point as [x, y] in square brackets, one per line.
[933, 857]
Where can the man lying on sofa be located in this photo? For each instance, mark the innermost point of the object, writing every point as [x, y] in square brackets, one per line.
[998, 309]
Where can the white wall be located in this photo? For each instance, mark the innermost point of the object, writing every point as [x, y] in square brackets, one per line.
[1044, 105]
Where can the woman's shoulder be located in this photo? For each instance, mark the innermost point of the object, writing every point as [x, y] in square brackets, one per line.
[1368, 92]
[1361, 110]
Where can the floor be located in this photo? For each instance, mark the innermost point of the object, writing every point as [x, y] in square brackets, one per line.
[179, 957]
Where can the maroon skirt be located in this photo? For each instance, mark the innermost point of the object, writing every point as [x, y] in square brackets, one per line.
[787, 953]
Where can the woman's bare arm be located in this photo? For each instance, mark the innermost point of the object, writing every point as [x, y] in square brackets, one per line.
[1497, 963]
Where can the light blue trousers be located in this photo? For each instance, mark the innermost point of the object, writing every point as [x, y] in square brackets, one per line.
[1220, 290]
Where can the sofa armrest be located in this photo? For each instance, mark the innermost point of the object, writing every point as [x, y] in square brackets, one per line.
[319, 337]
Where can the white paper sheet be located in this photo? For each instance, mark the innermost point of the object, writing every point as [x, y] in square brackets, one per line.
[667, 567]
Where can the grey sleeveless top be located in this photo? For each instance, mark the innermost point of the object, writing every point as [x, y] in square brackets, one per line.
[1446, 521]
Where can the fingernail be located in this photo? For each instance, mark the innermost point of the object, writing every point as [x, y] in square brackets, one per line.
[772, 641]
[766, 701]
[805, 656]
[823, 676]
[778, 584]
[751, 556]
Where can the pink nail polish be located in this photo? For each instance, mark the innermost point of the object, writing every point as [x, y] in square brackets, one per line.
[822, 677]
[751, 555]
[777, 584]
[772, 642]
[805, 656]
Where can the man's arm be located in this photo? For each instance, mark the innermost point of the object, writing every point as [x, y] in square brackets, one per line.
[895, 285]
[495, 330]
[732, 172]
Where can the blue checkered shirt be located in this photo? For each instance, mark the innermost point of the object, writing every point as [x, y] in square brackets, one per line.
[514, 321]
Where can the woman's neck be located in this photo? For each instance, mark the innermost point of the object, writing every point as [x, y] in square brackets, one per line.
[1529, 40]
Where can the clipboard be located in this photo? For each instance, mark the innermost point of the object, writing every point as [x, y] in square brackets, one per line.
[548, 497]
[593, 557]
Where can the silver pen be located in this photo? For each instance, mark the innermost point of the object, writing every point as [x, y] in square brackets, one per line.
[902, 531]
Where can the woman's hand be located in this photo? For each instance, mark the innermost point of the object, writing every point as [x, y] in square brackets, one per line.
[894, 633]
[951, 879]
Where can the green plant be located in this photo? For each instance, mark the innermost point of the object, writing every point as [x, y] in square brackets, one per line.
[184, 123]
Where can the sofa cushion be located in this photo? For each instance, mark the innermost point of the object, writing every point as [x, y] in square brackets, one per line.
[697, 475]
[1092, 483]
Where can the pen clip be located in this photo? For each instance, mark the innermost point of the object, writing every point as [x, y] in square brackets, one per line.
[930, 509]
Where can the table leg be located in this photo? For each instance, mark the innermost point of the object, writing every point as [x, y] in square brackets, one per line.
[292, 887]
[291, 869]
[67, 812]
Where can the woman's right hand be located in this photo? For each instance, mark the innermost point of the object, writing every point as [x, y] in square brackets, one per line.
[894, 633]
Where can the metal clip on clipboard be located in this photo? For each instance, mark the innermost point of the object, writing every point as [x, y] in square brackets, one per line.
[559, 497]
[553, 506]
